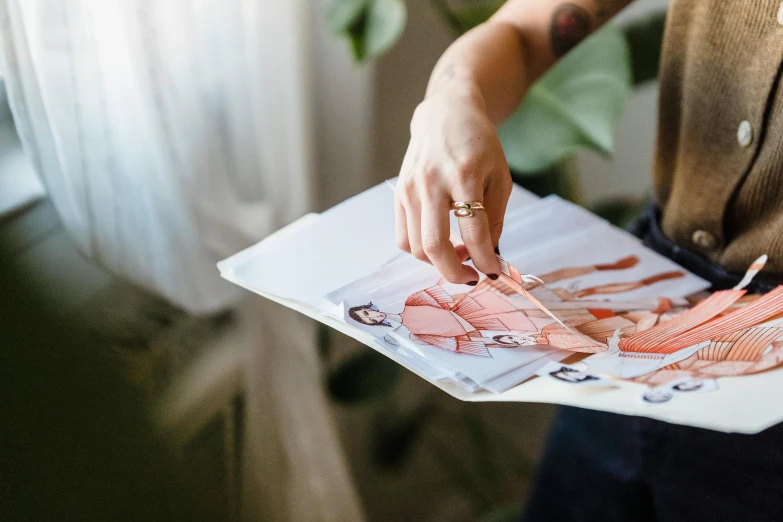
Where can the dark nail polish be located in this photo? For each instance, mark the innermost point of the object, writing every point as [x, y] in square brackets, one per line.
[493, 276]
[497, 250]
[472, 283]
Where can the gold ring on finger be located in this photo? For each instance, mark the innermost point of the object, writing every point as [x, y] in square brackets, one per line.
[465, 209]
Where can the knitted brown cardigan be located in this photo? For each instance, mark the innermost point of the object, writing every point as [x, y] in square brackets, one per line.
[719, 158]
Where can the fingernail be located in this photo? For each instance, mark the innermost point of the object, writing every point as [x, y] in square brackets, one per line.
[497, 250]
[492, 276]
[472, 283]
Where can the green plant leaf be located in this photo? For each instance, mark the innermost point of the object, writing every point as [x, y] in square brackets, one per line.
[385, 22]
[447, 13]
[576, 104]
[363, 376]
[371, 26]
[356, 39]
[342, 14]
[471, 14]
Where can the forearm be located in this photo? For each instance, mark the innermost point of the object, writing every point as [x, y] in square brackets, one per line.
[485, 64]
[496, 62]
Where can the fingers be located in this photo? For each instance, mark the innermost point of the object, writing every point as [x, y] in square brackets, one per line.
[412, 208]
[496, 198]
[475, 233]
[423, 198]
[435, 232]
[475, 230]
[401, 224]
[462, 252]
[400, 214]
[422, 228]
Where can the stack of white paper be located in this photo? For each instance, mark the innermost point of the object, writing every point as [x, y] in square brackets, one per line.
[594, 288]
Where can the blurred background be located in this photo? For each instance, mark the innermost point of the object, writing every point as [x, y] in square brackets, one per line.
[141, 142]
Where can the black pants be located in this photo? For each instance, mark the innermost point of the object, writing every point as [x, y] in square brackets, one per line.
[605, 467]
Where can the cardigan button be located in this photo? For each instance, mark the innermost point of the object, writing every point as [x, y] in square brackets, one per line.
[744, 133]
[704, 240]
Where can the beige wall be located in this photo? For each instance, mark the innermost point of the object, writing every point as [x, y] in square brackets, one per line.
[628, 172]
[400, 81]
[361, 112]
[342, 114]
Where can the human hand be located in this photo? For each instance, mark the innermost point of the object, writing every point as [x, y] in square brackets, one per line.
[454, 155]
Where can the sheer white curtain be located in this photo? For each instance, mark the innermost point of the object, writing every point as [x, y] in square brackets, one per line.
[169, 134]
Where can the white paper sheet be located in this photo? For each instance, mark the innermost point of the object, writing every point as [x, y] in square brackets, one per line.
[281, 269]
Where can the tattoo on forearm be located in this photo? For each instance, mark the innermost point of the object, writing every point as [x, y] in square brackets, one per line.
[570, 25]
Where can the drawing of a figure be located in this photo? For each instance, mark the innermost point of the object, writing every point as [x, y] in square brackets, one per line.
[619, 287]
[514, 340]
[552, 334]
[454, 322]
[573, 376]
[434, 317]
[745, 352]
[657, 396]
[580, 271]
[689, 385]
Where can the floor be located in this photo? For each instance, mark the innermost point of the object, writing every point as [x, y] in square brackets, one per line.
[466, 460]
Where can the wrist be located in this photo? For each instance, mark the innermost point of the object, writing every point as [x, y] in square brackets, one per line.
[462, 90]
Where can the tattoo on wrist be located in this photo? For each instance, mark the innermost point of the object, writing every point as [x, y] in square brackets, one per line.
[446, 74]
[570, 25]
